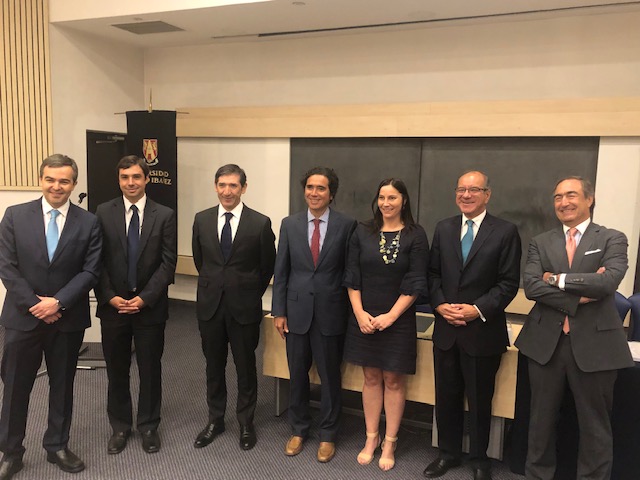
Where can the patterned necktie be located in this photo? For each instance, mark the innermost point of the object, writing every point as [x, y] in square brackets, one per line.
[467, 241]
[133, 243]
[52, 234]
[571, 250]
[315, 241]
[225, 237]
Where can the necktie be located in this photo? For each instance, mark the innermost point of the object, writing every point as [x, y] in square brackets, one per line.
[315, 241]
[133, 243]
[225, 238]
[467, 241]
[571, 250]
[52, 234]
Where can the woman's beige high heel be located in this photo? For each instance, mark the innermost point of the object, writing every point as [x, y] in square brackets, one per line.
[365, 458]
[387, 464]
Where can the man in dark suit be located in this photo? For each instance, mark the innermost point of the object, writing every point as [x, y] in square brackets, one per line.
[139, 261]
[49, 260]
[234, 252]
[311, 306]
[474, 273]
[573, 334]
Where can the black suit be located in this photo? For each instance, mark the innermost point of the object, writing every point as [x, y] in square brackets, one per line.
[467, 358]
[229, 304]
[587, 359]
[316, 306]
[155, 272]
[26, 272]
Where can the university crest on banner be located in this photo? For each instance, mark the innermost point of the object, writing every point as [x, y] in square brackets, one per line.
[150, 150]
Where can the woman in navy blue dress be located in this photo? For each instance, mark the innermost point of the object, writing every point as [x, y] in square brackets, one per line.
[386, 271]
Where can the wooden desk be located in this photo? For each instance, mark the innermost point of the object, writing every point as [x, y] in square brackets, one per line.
[420, 387]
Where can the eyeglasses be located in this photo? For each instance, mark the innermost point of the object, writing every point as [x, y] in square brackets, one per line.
[471, 190]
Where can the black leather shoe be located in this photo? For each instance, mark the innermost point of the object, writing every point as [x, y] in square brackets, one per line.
[9, 467]
[66, 460]
[440, 466]
[151, 441]
[482, 473]
[118, 442]
[208, 435]
[247, 437]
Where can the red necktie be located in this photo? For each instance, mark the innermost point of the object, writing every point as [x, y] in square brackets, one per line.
[571, 250]
[315, 241]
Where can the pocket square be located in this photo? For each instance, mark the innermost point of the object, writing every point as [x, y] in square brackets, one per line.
[592, 251]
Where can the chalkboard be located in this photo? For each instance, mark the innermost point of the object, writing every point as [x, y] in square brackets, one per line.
[523, 172]
[360, 164]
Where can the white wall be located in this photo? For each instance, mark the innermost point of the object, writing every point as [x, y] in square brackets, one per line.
[566, 57]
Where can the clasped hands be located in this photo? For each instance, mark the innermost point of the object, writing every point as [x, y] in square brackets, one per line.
[457, 314]
[369, 324]
[47, 309]
[127, 306]
[583, 300]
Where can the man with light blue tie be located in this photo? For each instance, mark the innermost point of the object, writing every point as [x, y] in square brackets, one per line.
[474, 273]
[49, 260]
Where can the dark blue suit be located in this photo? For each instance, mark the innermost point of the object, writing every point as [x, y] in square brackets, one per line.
[316, 306]
[26, 273]
[467, 358]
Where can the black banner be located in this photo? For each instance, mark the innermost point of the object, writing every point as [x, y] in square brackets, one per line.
[152, 136]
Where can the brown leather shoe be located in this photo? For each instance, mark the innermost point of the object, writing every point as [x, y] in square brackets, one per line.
[326, 451]
[294, 446]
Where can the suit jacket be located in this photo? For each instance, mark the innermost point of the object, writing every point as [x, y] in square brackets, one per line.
[156, 265]
[597, 336]
[302, 292]
[245, 276]
[26, 271]
[489, 279]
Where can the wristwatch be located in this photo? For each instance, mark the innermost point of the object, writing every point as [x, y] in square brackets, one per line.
[553, 280]
[59, 305]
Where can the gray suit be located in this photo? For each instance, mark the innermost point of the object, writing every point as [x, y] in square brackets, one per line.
[587, 358]
[316, 306]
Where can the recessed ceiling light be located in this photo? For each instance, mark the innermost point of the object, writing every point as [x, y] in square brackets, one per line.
[298, 4]
[138, 19]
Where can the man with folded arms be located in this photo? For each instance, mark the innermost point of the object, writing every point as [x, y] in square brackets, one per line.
[573, 335]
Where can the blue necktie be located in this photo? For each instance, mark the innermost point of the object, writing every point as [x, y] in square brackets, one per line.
[467, 241]
[225, 238]
[52, 234]
[133, 243]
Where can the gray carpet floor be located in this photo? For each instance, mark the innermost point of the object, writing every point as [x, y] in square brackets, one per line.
[184, 414]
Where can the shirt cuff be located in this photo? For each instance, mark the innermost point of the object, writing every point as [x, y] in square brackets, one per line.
[480, 313]
[561, 278]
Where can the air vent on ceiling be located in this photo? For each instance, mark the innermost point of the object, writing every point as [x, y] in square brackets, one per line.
[144, 28]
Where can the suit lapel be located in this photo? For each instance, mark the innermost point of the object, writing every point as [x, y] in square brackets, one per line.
[148, 220]
[119, 223]
[37, 219]
[68, 232]
[217, 249]
[484, 232]
[558, 250]
[302, 227]
[585, 244]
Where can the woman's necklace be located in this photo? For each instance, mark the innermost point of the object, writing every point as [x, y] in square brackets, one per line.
[390, 253]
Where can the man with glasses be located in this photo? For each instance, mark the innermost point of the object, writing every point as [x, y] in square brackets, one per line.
[474, 273]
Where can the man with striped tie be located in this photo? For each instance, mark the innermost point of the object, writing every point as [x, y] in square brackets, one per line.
[49, 260]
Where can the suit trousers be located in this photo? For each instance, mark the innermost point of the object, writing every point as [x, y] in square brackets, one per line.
[326, 352]
[457, 374]
[20, 362]
[216, 334]
[149, 346]
[593, 396]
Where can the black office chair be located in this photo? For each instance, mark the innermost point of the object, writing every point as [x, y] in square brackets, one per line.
[634, 300]
[623, 305]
